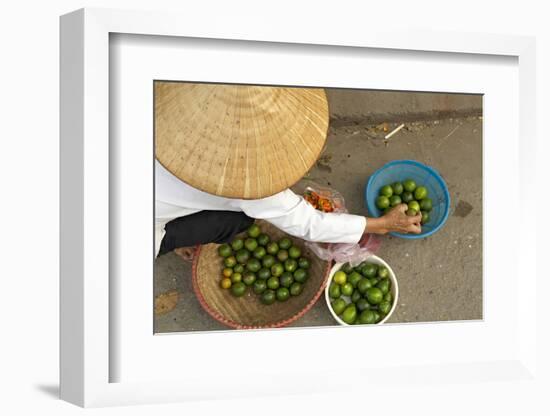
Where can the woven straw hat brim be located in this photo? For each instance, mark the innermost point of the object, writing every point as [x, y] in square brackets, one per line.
[239, 141]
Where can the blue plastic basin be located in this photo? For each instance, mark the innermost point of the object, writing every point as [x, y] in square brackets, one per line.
[400, 170]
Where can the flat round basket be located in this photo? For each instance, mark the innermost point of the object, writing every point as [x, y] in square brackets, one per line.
[247, 312]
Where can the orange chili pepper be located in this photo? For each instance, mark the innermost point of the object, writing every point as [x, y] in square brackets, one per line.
[321, 203]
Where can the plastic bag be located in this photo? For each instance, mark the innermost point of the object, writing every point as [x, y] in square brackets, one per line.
[329, 200]
[324, 199]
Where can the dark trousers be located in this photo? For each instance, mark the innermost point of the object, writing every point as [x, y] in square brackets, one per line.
[202, 228]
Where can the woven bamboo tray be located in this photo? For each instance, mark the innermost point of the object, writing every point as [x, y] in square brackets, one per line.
[247, 312]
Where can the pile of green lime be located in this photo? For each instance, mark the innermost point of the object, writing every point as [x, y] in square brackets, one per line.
[408, 192]
[361, 295]
[274, 270]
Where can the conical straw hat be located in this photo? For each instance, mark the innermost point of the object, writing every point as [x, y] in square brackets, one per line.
[239, 141]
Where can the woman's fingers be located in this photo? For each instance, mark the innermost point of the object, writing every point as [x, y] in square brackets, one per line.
[402, 208]
[414, 220]
[414, 228]
[401, 222]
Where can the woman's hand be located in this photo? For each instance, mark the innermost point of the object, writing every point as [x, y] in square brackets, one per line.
[394, 221]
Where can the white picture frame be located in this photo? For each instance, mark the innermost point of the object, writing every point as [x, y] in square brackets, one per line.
[87, 357]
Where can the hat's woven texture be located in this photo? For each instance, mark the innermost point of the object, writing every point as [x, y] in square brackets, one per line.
[239, 141]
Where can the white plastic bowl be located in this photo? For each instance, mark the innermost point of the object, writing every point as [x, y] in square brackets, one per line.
[394, 288]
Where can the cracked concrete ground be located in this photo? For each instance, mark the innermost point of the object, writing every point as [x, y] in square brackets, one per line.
[440, 277]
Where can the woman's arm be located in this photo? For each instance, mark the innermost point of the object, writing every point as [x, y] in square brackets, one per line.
[307, 223]
[297, 217]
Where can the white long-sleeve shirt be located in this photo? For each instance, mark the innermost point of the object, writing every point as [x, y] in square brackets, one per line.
[286, 210]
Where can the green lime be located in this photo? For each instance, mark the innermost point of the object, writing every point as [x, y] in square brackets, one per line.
[414, 205]
[374, 295]
[384, 285]
[225, 283]
[363, 285]
[253, 265]
[384, 307]
[362, 304]
[254, 231]
[425, 217]
[263, 239]
[300, 275]
[407, 197]
[354, 278]
[346, 268]
[238, 289]
[282, 294]
[338, 306]
[347, 289]
[369, 270]
[239, 268]
[409, 185]
[420, 193]
[397, 188]
[227, 272]
[230, 261]
[426, 204]
[268, 261]
[340, 277]
[360, 266]
[236, 277]
[285, 243]
[282, 255]
[294, 252]
[290, 265]
[259, 287]
[383, 272]
[242, 256]
[382, 202]
[377, 316]
[225, 250]
[259, 253]
[303, 263]
[367, 316]
[411, 212]
[249, 278]
[355, 296]
[373, 281]
[272, 248]
[386, 191]
[286, 279]
[388, 297]
[250, 244]
[268, 297]
[264, 273]
[237, 244]
[273, 282]
[334, 291]
[395, 200]
[350, 314]
[277, 269]
[296, 289]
